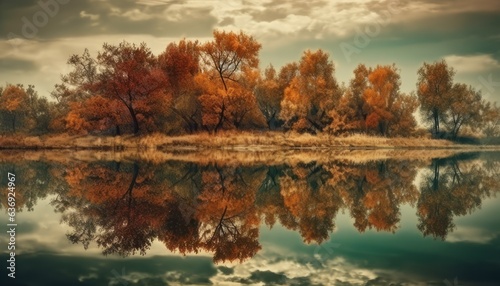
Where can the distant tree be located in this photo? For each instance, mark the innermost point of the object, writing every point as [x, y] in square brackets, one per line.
[311, 94]
[491, 120]
[181, 63]
[14, 108]
[466, 108]
[434, 85]
[350, 115]
[38, 112]
[451, 188]
[269, 97]
[404, 122]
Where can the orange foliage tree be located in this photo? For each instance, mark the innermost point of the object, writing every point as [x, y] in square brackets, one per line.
[229, 79]
[124, 76]
[350, 115]
[131, 75]
[227, 213]
[382, 90]
[389, 112]
[269, 97]
[181, 63]
[311, 94]
[13, 107]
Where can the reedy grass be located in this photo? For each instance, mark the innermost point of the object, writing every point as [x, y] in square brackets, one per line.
[232, 140]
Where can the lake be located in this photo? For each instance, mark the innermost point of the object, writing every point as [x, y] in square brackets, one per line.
[191, 219]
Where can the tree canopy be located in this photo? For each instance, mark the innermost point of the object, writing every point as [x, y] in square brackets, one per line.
[218, 85]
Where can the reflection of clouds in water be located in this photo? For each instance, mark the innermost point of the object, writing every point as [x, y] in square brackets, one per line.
[472, 234]
[296, 268]
[48, 234]
[367, 259]
[292, 271]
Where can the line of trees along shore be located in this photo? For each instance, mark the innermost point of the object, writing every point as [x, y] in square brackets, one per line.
[217, 85]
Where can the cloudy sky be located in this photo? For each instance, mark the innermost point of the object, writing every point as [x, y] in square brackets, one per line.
[38, 36]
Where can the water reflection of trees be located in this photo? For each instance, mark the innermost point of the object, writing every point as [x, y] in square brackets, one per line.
[35, 180]
[452, 187]
[124, 207]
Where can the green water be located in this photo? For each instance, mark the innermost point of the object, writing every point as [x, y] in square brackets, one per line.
[386, 222]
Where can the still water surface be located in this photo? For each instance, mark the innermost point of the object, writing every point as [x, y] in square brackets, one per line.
[379, 222]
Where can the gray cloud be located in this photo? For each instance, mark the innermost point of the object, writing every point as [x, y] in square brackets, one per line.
[16, 65]
[110, 17]
[419, 31]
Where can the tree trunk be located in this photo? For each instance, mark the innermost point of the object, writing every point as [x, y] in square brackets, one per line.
[221, 118]
[14, 123]
[134, 119]
[435, 181]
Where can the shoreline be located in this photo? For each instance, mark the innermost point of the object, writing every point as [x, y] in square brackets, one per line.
[232, 148]
[231, 157]
[231, 141]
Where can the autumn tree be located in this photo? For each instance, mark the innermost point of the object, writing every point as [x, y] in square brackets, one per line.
[434, 85]
[383, 88]
[269, 97]
[373, 102]
[229, 78]
[271, 90]
[466, 108]
[95, 114]
[350, 115]
[311, 94]
[116, 205]
[374, 191]
[38, 111]
[127, 75]
[131, 75]
[286, 74]
[227, 212]
[311, 205]
[36, 177]
[75, 88]
[403, 109]
[491, 120]
[181, 63]
[452, 187]
[13, 108]
[387, 110]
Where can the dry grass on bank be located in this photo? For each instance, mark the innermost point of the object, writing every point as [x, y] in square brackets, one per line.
[239, 141]
[227, 157]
